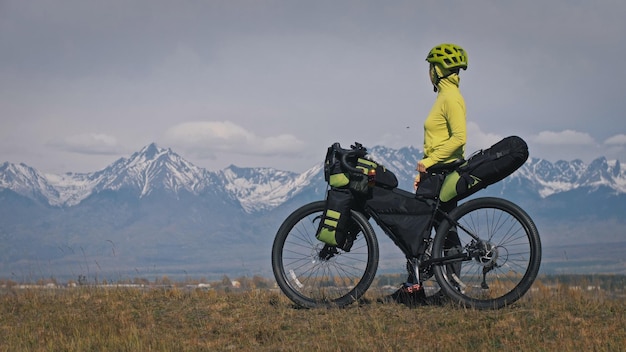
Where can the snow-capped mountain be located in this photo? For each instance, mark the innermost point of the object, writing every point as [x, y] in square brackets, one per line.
[149, 170]
[156, 208]
[265, 188]
[155, 169]
[26, 181]
[564, 176]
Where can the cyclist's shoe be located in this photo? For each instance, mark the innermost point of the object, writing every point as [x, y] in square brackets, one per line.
[411, 295]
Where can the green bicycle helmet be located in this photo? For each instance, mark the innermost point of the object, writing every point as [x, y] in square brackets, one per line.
[449, 56]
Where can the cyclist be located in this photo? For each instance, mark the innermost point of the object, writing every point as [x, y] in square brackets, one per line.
[444, 138]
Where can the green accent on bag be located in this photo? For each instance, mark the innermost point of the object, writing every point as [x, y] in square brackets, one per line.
[327, 231]
[366, 165]
[448, 189]
[338, 180]
[361, 183]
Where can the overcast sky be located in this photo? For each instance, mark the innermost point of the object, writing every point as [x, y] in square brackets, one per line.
[273, 83]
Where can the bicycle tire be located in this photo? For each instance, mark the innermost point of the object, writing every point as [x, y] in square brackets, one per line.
[312, 282]
[499, 268]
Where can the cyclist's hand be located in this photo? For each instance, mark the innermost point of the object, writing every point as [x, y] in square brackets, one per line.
[420, 167]
[416, 183]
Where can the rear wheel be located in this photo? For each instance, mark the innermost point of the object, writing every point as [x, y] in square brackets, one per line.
[497, 256]
[313, 274]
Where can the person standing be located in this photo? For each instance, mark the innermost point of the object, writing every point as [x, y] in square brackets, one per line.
[445, 127]
[445, 135]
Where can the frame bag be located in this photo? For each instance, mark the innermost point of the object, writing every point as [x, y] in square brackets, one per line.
[407, 217]
[484, 168]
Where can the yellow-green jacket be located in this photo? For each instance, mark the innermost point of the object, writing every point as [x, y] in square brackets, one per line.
[445, 130]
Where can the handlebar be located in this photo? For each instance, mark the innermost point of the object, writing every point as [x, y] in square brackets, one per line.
[356, 150]
[344, 162]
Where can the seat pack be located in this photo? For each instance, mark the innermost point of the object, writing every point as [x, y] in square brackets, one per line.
[484, 168]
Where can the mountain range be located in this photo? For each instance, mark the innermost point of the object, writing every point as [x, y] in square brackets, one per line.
[155, 213]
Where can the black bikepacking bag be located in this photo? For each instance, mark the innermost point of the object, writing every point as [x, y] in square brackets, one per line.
[336, 176]
[430, 184]
[333, 227]
[373, 175]
[484, 168]
[385, 178]
[408, 218]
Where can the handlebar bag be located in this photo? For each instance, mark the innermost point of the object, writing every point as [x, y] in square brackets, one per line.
[337, 176]
[333, 173]
[406, 219]
[484, 168]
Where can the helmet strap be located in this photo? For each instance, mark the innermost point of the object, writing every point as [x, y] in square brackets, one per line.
[437, 78]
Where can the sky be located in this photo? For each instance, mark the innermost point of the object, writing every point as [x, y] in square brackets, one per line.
[274, 83]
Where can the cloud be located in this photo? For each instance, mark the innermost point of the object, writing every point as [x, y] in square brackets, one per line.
[66, 70]
[566, 137]
[88, 143]
[478, 139]
[569, 145]
[205, 138]
[618, 139]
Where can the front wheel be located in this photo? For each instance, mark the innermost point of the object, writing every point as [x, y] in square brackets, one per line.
[489, 252]
[313, 274]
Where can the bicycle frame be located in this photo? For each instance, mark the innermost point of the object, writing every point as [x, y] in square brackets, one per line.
[419, 263]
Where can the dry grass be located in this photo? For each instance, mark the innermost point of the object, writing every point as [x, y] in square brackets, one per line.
[180, 319]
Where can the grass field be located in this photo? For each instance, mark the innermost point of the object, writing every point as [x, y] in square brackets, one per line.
[553, 317]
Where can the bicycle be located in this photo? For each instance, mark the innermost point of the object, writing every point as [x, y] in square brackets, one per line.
[494, 265]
